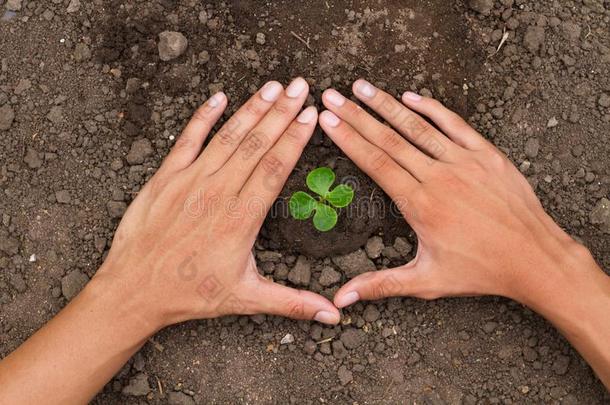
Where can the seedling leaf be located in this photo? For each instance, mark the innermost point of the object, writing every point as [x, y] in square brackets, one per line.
[301, 205]
[320, 180]
[341, 196]
[325, 217]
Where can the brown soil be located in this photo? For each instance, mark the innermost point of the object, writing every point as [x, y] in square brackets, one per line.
[64, 158]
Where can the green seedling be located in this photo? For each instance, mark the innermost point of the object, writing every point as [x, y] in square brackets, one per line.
[324, 207]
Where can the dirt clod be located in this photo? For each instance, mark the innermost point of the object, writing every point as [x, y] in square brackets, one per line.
[73, 283]
[171, 45]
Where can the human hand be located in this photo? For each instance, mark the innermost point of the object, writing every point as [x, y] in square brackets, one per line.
[480, 227]
[184, 246]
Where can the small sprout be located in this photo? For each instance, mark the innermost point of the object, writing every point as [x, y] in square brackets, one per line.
[324, 209]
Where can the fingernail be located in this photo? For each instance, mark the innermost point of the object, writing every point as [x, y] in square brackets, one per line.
[334, 97]
[296, 88]
[216, 99]
[326, 317]
[365, 89]
[409, 95]
[271, 91]
[347, 299]
[307, 116]
[330, 119]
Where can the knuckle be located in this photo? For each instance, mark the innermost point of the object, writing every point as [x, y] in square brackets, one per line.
[280, 108]
[157, 184]
[272, 165]
[389, 107]
[389, 139]
[254, 142]
[201, 114]
[294, 136]
[295, 307]
[420, 130]
[255, 108]
[354, 110]
[379, 291]
[226, 137]
[379, 161]
[433, 146]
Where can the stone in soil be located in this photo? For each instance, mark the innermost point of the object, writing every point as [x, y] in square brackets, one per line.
[9, 245]
[329, 276]
[534, 38]
[339, 350]
[532, 147]
[171, 45]
[402, 246]
[13, 5]
[301, 272]
[373, 247]
[82, 52]
[600, 215]
[32, 159]
[345, 375]
[139, 151]
[355, 263]
[56, 115]
[371, 313]
[73, 6]
[353, 338]
[63, 196]
[482, 6]
[18, 282]
[73, 283]
[116, 209]
[179, 398]
[138, 386]
[561, 364]
[7, 116]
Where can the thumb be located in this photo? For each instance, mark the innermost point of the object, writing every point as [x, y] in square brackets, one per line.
[375, 285]
[276, 299]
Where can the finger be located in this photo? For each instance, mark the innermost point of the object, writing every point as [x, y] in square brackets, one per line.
[392, 178]
[402, 151]
[228, 138]
[449, 122]
[276, 299]
[398, 282]
[269, 177]
[263, 136]
[189, 144]
[409, 124]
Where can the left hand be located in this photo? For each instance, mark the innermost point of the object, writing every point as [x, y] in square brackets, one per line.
[185, 244]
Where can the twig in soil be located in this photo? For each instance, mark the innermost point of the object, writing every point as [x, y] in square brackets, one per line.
[324, 341]
[157, 345]
[306, 43]
[367, 70]
[372, 194]
[504, 38]
[160, 386]
[588, 33]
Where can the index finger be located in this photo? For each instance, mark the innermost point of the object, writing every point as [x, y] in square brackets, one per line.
[375, 162]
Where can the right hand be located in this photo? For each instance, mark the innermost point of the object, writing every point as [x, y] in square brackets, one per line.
[480, 227]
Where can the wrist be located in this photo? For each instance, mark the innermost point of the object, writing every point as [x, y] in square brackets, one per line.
[124, 304]
[565, 288]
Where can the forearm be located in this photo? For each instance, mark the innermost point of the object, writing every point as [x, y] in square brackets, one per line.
[575, 298]
[71, 358]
